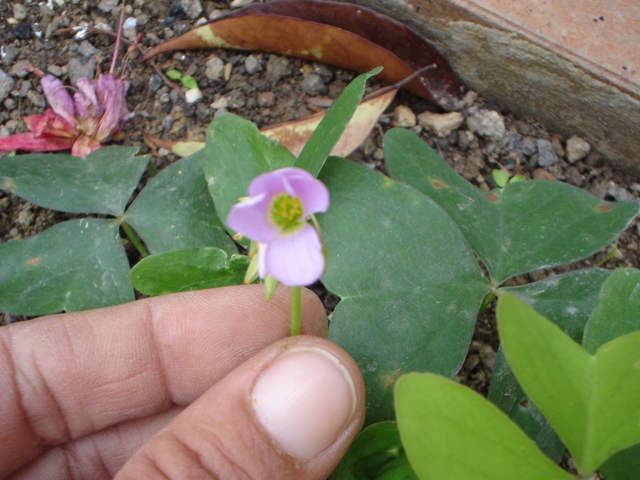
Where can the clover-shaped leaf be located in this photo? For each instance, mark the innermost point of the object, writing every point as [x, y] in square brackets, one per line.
[75, 265]
[523, 227]
[451, 432]
[410, 286]
[592, 401]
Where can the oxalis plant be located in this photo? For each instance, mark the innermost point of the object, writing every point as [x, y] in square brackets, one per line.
[414, 257]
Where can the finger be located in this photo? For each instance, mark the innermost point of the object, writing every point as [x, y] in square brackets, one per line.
[70, 375]
[289, 412]
[99, 455]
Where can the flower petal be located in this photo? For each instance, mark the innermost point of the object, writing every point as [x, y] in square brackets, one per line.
[250, 217]
[58, 97]
[84, 145]
[312, 192]
[86, 100]
[50, 124]
[296, 260]
[30, 143]
[112, 95]
[297, 183]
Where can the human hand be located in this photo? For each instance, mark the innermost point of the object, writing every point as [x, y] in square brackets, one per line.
[201, 384]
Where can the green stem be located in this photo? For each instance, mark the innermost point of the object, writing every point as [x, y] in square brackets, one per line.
[295, 311]
[134, 239]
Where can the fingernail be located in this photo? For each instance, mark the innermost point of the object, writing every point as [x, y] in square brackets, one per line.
[304, 401]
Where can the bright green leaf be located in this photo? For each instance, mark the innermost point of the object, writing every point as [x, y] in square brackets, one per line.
[374, 453]
[235, 153]
[500, 178]
[330, 129]
[451, 432]
[618, 310]
[593, 402]
[174, 75]
[75, 265]
[189, 82]
[175, 210]
[524, 227]
[568, 300]
[102, 182]
[188, 269]
[410, 286]
[623, 466]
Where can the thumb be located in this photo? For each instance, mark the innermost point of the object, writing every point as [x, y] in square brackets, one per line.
[289, 412]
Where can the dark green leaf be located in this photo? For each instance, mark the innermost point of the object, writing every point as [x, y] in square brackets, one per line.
[371, 453]
[102, 182]
[524, 227]
[618, 310]
[236, 152]
[175, 210]
[75, 265]
[330, 129]
[623, 466]
[188, 269]
[410, 286]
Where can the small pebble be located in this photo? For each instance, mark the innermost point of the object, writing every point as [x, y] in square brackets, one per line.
[37, 99]
[174, 96]
[23, 31]
[174, 13]
[8, 53]
[266, 99]
[107, 5]
[240, 3]
[167, 123]
[193, 95]
[25, 86]
[404, 117]
[193, 8]
[55, 70]
[86, 49]
[253, 64]
[155, 82]
[486, 123]
[324, 71]
[557, 146]
[221, 103]
[226, 74]
[6, 84]
[277, 67]
[20, 12]
[619, 193]
[577, 149]
[442, 124]
[542, 174]
[546, 155]
[78, 68]
[214, 68]
[313, 85]
[527, 146]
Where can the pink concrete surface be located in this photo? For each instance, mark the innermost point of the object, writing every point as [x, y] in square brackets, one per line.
[603, 35]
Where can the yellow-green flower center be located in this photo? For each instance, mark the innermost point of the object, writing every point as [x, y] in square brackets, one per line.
[286, 212]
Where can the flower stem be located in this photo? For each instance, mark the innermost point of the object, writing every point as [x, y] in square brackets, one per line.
[134, 239]
[295, 311]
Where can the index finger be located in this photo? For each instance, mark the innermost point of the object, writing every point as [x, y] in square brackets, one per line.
[69, 375]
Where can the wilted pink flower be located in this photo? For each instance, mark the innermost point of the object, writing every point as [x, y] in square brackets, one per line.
[275, 215]
[94, 114]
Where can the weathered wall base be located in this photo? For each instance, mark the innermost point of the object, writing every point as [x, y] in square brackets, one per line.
[531, 79]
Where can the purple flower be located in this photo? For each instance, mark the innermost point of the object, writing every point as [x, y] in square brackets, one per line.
[83, 122]
[275, 216]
